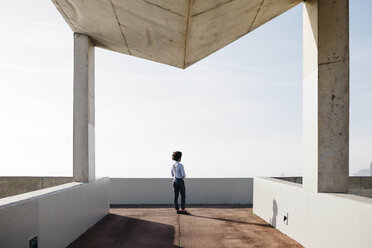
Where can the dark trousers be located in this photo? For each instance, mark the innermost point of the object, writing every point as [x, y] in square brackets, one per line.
[179, 187]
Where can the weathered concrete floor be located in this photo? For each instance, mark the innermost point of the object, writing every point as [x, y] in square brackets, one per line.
[215, 226]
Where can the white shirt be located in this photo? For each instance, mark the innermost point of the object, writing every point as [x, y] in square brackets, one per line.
[177, 170]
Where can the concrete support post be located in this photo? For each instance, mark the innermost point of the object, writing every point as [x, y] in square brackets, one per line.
[84, 134]
[326, 95]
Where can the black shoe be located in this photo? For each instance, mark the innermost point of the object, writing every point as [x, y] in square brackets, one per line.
[185, 212]
[179, 212]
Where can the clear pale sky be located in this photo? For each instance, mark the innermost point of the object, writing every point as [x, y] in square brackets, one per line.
[237, 113]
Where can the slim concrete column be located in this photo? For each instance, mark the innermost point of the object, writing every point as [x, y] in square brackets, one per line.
[326, 95]
[84, 135]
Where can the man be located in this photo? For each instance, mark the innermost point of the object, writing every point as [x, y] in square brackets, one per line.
[178, 174]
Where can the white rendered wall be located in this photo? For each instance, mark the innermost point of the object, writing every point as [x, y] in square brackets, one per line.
[57, 215]
[314, 219]
[198, 191]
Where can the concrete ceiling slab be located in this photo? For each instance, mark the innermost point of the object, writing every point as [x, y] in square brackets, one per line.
[173, 32]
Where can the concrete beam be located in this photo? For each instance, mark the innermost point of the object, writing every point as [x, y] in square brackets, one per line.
[84, 134]
[326, 95]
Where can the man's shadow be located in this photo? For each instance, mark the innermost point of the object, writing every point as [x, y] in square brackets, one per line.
[229, 220]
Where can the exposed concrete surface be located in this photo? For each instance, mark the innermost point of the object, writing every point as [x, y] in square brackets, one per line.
[314, 219]
[326, 96]
[84, 110]
[361, 186]
[18, 185]
[198, 190]
[56, 215]
[291, 179]
[177, 33]
[214, 226]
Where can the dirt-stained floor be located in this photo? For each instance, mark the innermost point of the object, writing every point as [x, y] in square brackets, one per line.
[212, 226]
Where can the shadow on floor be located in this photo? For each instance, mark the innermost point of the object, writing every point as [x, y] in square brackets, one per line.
[233, 221]
[188, 206]
[120, 231]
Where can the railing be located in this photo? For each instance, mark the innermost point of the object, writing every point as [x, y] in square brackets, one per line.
[18, 185]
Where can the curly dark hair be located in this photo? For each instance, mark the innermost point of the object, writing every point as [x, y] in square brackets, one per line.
[177, 155]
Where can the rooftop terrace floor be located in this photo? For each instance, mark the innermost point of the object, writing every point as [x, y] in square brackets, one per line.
[207, 226]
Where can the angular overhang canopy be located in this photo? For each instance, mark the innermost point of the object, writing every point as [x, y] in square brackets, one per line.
[173, 32]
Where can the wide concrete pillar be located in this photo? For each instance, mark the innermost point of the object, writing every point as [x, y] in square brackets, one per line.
[326, 95]
[84, 134]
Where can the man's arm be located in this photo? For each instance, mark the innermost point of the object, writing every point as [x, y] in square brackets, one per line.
[183, 171]
[172, 172]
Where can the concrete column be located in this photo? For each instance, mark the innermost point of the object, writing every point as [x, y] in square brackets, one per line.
[326, 95]
[84, 135]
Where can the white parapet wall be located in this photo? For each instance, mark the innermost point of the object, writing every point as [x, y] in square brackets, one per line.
[314, 219]
[198, 191]
[56, 215]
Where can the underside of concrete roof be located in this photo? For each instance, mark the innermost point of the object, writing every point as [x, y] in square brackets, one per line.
[173, 32]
